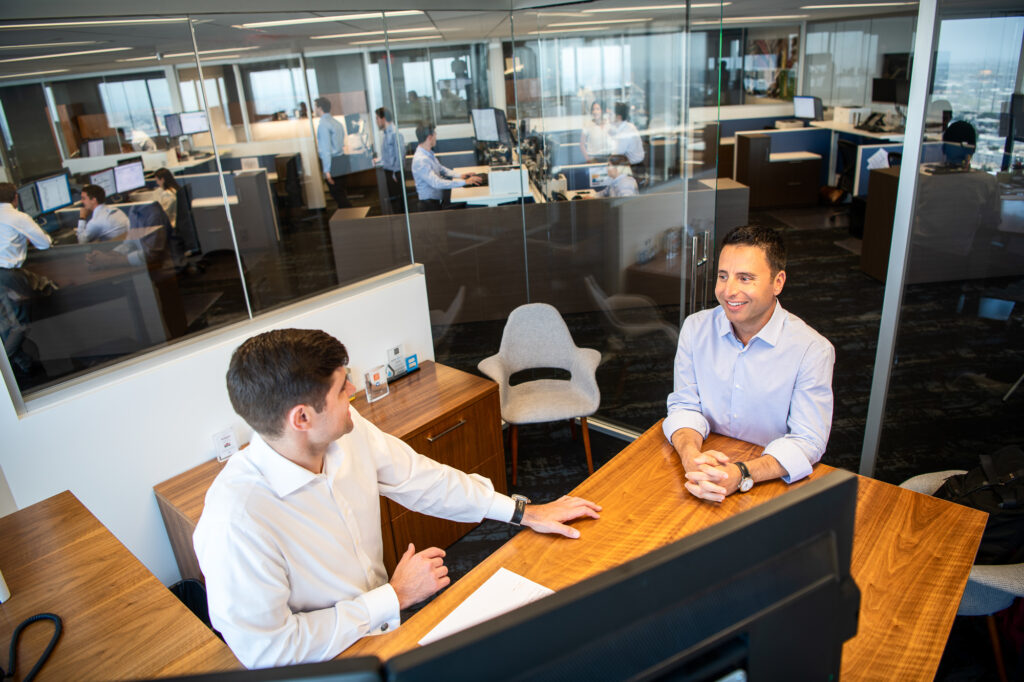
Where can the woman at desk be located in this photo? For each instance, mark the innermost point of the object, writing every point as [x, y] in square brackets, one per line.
[594, 140]
[167, 194]
[621, 182]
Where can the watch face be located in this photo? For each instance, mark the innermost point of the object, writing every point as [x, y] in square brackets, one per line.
[746, 484]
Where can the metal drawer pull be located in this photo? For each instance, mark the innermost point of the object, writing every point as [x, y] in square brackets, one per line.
[431, 439]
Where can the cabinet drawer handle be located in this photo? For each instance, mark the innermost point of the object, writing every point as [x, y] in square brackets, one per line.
[431, 439]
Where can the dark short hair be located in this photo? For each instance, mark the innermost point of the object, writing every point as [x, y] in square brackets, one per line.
[423, 131]
[323, 103]
[168, 178]
[95, 192]
[598, 103]
[764, 238]
[383, 113]
[622, 109]
[271, 373]
[962, 132]
[7, 192]
[618, 160]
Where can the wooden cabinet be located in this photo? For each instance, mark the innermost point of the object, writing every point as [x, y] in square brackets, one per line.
[443, 413]
[775, 180]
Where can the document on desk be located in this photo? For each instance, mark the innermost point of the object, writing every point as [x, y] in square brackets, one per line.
[878, 160]
[501, 593]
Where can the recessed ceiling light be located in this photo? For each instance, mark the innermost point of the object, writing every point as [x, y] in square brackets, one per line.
[335, 17]
[176, 55]
[649, 8]
[734, 20]
[602, 23]
[74, 43]
[34, 73]
[103, 22]
[858, 4]
[377, 33]
[63, 54]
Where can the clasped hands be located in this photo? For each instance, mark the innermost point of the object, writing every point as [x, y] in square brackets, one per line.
[711, 475]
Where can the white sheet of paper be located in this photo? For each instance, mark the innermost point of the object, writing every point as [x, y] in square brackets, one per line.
[879, 159]
[501, 593]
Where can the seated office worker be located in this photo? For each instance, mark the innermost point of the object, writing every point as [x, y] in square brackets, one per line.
[432, 178]
[750, 370]
[290, 539]
[621, 182]
[98, 222]
[330, 142]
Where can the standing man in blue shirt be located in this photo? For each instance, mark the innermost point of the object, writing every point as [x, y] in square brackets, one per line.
[750, 370]
[330, 142]
[391, 156]
[432, 179]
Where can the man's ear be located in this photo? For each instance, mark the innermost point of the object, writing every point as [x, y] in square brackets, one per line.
[779, 282]
[298, 418]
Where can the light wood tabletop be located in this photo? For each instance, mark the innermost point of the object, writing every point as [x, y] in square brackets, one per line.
[119, 621]
[911, 554]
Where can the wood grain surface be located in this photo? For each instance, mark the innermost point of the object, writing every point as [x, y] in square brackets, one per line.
[911, 554]
[119, 621]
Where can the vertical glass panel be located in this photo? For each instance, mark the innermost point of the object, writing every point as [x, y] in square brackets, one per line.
[955, 390]
[85, 105]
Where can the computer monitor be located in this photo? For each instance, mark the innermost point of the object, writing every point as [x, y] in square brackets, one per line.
[890, 91]
[104, 179]
[724, 601]
[27, 201]
[54, 192]
[807, 108]
[354, 669]
[173, 124]
[598, 176]
[194, 122]
[490, 125]
[129, 176]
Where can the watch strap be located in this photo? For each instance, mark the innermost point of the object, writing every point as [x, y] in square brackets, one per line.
[744, 476]
[517, 515]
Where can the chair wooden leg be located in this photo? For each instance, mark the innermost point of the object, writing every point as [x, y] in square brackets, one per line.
[513, 436]
[997, 649]
[586, 443]
[572, 428]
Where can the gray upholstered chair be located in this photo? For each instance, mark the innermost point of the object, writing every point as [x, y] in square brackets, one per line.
[536, 337]
[989, 588]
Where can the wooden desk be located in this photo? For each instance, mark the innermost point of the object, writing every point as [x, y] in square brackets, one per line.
[911, 554]
[781, 179]
[119, 621]
[448, 415]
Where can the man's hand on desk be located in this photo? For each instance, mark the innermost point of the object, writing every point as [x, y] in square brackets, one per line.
[472, 179]
[551, 517]
[419, 575]
[713, 483]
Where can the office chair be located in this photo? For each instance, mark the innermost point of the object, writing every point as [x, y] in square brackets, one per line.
[895, 159]
[855, 209]
[989, 588]
[536, 337]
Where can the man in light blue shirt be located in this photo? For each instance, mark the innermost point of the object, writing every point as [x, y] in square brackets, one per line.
[750, 370]
[432, 178]
[625, 136]
[621, 182]
[330, 142]
[391, 157]
[98, 222]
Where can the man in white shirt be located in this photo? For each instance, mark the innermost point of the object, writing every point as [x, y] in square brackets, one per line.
[290, 539]
[98, 222]
[625, 136]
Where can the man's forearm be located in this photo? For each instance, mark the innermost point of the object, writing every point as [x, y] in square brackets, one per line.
[687, 443]
[765, 468]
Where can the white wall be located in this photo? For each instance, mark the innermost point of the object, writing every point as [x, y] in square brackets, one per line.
[112, 438]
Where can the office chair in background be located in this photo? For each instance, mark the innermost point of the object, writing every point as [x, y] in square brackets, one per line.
[536, 337]
[856, 208]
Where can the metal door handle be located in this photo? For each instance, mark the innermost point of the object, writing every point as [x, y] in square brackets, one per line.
[431, 439]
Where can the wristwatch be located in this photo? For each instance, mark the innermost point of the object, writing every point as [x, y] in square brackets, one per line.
[746, 482]
[521, 502]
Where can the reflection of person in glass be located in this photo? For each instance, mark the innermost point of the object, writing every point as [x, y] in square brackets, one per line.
[595, 140]
[625, 136]
[330, 142]
[139, 140]
[432, 178]
[621, 182]
[391, 155]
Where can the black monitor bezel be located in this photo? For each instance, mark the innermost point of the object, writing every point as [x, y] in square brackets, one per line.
[129, 162]
[39, 197]
[195, 132]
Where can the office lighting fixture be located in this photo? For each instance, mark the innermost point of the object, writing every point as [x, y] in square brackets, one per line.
[31, 46]
[34, 73]
[565, 30]
[62, 54]
[376, 33]
[334, 17]
[602, 22]
[97, 22]
[393, 40]
[647, 8]
[736, 20]
[176, 55]
[858, 4]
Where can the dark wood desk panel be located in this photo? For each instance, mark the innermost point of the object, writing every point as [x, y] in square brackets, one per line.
[911, 554]
[119, 621]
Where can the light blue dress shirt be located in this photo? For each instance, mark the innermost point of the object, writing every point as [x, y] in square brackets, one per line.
[391, 149]
[105, 223]
[431, 177]
[622, 186]
[330, 140]
[626, 141]
[776, 391]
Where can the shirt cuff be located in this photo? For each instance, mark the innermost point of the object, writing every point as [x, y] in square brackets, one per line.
[685, 419]
[502, 508]
[382, 606]
[791, 457]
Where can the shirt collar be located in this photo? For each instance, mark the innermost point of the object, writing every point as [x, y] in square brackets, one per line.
[769, 333]
[428, 152]
[281, 474]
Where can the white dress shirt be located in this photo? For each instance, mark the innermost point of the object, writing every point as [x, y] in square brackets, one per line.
[104, 224]
[17, 229]
[294, 561]
[776, 391]
[626, 141]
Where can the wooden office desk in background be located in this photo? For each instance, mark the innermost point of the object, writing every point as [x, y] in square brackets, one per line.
[441, 412]
[911, 554]
[119, 621]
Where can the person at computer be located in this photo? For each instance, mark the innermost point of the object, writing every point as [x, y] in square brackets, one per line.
[621, 182]
[625, 137]
[750, 370]
[289, 540]
[330, 142]
[98, 222]
[392, 155]
[595, 141]
[167, 194]
[431, 177]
